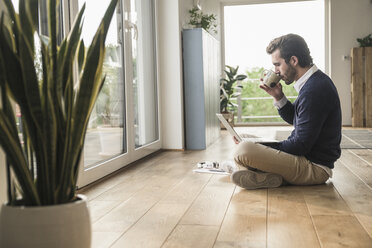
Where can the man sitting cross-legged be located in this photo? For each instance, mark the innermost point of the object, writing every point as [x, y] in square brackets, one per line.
[308, 155]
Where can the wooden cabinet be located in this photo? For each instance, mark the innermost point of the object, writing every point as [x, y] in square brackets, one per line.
[201, 73]
[361, 86]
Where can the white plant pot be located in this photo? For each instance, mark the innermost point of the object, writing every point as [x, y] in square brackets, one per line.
[110, 139]
[64, 225]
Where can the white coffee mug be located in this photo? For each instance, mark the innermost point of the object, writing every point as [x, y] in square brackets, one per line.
[270, 78]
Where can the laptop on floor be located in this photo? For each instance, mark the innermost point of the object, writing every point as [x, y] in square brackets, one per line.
[241, 138]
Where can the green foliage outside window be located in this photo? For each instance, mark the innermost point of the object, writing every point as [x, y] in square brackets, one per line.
[260, 107]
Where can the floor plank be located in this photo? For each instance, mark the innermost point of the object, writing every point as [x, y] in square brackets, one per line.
[112, 197]
[358, 166]
[111, 181]
[355, 193]
[364, 154]
[289, 222]
[341, 231]
[192, 236]
[104, 239]
[334, 221]
[98, 209]
[210, 206]
[325, 200]
[130, 183]
[130, 211]
[156, 225]
[245, 221]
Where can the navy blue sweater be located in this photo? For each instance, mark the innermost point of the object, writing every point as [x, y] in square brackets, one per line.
[316, 117]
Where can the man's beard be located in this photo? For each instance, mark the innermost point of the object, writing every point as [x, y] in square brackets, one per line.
[290, 75]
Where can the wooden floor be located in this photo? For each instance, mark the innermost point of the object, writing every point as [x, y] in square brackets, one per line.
[160, 202]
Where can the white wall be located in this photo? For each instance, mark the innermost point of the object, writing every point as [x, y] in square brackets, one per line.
[170, 74]
[349, 20]
[172, 17]
[184, 7]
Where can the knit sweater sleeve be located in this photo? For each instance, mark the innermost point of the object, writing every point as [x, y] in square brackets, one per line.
[287, 112]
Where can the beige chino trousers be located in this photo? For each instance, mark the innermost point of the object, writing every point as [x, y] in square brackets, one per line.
[294, 169]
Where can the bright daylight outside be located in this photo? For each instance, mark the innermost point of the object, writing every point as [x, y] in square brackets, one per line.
[248, 31]
[104, 137]
[106, 134]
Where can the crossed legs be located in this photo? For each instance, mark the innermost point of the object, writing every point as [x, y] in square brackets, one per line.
[295, 170]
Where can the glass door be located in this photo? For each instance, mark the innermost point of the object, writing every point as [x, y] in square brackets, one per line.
[105, 135]
[139, 25]
[124, 124]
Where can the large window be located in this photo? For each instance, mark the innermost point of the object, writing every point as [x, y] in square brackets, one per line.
[248, 29]
[124, 123]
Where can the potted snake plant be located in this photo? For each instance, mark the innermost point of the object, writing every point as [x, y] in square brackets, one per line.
[43, 208]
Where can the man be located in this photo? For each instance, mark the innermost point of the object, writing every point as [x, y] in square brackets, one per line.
[308, 155]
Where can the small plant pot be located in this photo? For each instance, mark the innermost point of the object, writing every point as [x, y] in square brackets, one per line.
[110, 139]
[57, 226]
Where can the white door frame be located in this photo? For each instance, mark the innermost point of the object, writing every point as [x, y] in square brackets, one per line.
[93, 173]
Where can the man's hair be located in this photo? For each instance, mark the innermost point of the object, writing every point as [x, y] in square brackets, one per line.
[291, 45]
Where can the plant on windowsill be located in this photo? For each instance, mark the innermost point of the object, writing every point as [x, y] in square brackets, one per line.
[43, 161]
[200, 20]
[228, 87]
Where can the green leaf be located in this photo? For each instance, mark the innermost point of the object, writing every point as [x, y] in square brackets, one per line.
[14, 21]
[55, 114]
[228, 86]
[26, 22]
[224, 81]
[13, 150]
[69, 52]
[32, 9]
[88, 90]
[228, 73]
[81, 55]
[30, 82]
[240, 77]
[235, 70]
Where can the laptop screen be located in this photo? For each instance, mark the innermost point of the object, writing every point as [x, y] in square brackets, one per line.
[228, 127]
